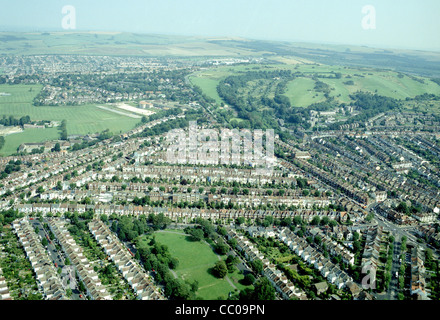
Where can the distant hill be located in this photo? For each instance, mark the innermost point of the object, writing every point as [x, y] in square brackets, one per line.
[421, 63]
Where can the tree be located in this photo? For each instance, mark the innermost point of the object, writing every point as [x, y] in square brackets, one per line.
[286, 221]
[240, 220]
[324, 221]
[57, 147]
[403, 208]
[178, 290]
[263, 290]
[63, 130]
[231, 261]
[332, 223]
[249, 279]
[194, 286]
[297, 220]
[2, 142]
[317, 240]
[81, 286]
[268, 219]
[44, 242]
[315, 220]
[221, 231]
[257, 266]
[220, 269]
[221, 248]
[196, 234]
[173, 263]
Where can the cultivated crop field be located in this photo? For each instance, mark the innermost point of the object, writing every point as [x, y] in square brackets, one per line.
[112, 43]
[80, 119]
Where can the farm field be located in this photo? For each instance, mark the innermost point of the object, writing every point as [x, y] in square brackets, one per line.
[80, 119]
[195, 260]
[113, 43]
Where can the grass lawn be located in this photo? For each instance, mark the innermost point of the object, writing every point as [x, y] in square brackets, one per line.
[208, 80]
[80, 119]
[195, 260]
[301, 90]
[208, 86]
[29, 135]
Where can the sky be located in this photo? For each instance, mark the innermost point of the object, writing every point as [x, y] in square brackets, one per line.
[400, 24]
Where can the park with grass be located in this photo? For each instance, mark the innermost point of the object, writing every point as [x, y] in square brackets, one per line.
[196, 260]
[302, 92]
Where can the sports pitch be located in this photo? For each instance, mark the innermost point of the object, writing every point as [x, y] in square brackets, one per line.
[82, 120]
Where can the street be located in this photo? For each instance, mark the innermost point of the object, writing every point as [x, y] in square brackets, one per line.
[58, 258]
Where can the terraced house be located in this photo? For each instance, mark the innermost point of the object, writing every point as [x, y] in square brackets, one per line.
[279, 280]
[95, 289]
[48, 279]
[138, 279]
[4, 290]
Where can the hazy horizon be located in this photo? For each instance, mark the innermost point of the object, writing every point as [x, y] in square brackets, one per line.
[410, 25]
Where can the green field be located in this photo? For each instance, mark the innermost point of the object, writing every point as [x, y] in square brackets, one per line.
[80, 119]
[29, 135]
[195, 260]
[386, 83]
[301, 90]
[208, 86]
[113, 43]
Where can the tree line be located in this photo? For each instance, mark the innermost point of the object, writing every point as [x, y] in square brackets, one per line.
[11, 121]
